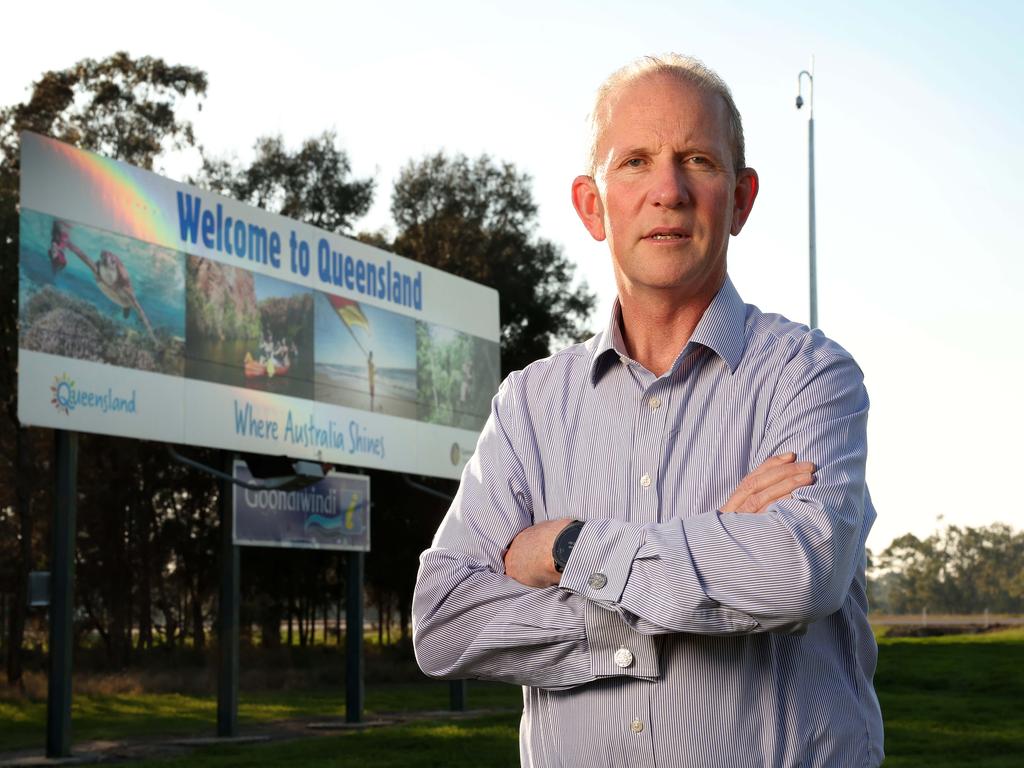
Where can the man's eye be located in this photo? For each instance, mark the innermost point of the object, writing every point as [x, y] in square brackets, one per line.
[634, 162]
[698, 160]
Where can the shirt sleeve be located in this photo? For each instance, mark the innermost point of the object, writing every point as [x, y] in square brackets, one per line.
[471, 620]
[722, 573]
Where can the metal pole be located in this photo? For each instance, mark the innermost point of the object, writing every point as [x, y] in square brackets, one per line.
[457, 691]
[813, 271]
[810, 217]
[354, 688]
[227, 614]
[62, 590]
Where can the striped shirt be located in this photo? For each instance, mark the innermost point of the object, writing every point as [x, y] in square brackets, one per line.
[679, 635]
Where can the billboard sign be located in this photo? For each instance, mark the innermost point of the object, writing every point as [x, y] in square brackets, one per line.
[157, 310]
[333, 513]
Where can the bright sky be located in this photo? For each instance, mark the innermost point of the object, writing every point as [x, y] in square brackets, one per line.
[919, 114]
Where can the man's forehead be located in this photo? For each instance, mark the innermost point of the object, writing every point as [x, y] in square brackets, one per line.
[663, 104]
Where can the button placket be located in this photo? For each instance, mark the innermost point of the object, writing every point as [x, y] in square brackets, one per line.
[649, 424]
[638, 722]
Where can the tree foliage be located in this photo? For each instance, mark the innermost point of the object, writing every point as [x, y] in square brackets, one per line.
[311, 184]
[958, 570]
[477, 219]
[120, 107]
[123, 108]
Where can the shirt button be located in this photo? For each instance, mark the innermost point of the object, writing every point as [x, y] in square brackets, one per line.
[636, 726]
[597, 580]
[655, 403]
[623, 658]
[623, 359]
[645, 480]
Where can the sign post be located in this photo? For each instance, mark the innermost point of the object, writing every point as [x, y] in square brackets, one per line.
[354, 684]
[227, 614]
[58, 699]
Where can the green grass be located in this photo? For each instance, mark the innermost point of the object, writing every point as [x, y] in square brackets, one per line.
[947, 702]
[954, 700]
[486, 741]
[148, 716]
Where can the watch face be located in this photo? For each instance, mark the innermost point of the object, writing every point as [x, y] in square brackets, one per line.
[565, 548]
[564, 543]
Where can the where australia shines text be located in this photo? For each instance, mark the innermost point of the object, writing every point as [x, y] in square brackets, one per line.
[307, 433]
[235, 237]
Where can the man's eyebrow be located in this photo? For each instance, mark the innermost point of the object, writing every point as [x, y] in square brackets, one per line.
[636, 149]
[689, 149]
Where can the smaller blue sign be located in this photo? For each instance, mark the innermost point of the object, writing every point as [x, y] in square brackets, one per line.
[332, 514]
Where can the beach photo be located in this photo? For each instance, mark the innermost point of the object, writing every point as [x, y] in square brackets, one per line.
[93, 295]
[248, 330]
[457, 375]
[365, 357]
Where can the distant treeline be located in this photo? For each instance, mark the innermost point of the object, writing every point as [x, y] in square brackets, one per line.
[958, 570]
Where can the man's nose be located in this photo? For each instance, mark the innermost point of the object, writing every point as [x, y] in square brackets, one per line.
[669, 185]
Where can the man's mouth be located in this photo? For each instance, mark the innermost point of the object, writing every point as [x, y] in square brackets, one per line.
[667, 235]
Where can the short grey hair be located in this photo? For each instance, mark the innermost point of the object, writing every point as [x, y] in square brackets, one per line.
[688, 70]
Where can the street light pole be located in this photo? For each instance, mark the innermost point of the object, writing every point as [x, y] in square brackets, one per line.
[810, 184]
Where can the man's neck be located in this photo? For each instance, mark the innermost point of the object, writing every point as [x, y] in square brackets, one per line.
[656, 331]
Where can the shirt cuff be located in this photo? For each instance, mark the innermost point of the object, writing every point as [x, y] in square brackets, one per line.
[608, 635]
[601, 560]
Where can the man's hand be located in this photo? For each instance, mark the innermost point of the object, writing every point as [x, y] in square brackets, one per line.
[528, 559]
[775, 479]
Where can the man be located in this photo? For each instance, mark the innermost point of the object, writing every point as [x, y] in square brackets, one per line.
[661, 533]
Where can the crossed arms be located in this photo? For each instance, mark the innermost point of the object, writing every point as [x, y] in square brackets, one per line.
[779, 554]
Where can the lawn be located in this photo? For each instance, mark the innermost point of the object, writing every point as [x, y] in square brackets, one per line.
[148, 716]
[954, 700]
[947, 702]
[490, 742]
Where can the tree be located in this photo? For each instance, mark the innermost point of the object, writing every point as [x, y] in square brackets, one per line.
[477, 219]
[311, 185]
[958, 570]
[123, 108]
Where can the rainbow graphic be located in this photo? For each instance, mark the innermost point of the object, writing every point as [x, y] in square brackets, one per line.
[120, 190]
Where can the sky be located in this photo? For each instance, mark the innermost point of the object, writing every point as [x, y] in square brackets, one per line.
[918, 117]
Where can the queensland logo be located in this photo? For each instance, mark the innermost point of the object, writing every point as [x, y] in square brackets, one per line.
[60, 390]
[66, 396]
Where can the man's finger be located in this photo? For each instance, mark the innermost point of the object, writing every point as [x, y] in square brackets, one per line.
[755, 483]
[772, 475]
[762, 501]
[772, 461]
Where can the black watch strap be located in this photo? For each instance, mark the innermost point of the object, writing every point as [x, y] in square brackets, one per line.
[564, 543]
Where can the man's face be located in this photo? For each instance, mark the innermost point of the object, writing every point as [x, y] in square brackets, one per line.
[666, 195]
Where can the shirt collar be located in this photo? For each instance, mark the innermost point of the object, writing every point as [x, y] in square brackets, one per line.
[721, 329]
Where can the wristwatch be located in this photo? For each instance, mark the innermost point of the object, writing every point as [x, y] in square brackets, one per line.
[564, 543]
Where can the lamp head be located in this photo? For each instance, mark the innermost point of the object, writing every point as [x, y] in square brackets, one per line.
[799, 101]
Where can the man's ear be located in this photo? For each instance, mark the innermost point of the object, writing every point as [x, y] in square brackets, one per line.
[747, 185]
[586, 199]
